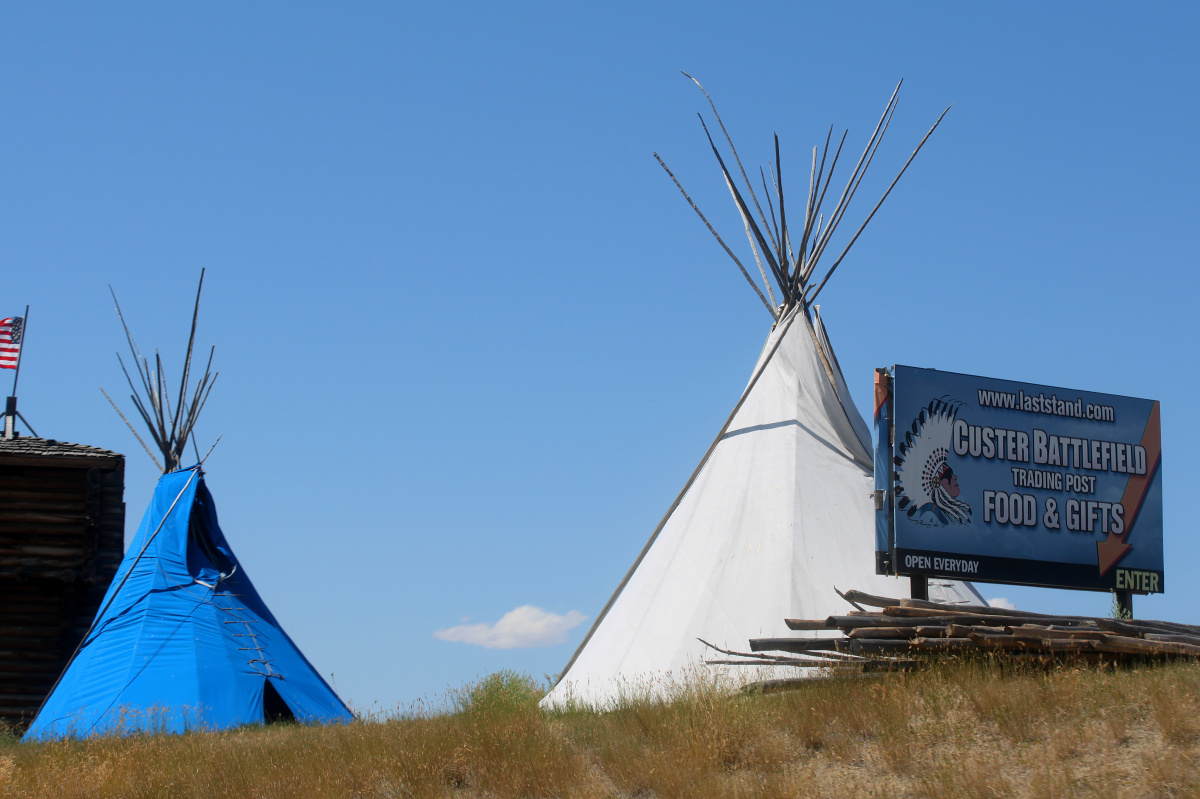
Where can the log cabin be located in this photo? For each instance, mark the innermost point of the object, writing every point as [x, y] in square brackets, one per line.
[62, 527]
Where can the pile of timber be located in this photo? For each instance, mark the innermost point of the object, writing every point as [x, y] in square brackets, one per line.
[903, 633]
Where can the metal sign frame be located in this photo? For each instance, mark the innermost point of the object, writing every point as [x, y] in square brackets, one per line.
[1007, 482]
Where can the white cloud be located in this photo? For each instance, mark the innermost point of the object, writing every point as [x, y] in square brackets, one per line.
[522, 628]
[1002, 603]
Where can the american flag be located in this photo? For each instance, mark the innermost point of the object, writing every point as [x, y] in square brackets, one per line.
[12, 330]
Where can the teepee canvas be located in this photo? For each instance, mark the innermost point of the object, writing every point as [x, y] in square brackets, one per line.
[780, 510]
[183, 641]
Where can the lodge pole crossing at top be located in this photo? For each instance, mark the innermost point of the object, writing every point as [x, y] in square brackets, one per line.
[792, 267]
[170, 427]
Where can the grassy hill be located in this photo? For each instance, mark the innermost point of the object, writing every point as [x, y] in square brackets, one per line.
[965, 730]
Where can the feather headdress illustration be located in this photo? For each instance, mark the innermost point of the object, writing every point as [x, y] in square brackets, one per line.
[926, 483]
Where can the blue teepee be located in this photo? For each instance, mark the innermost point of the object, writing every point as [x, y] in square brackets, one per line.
[182, 640]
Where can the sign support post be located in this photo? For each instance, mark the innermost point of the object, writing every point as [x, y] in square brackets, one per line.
[1124, 603]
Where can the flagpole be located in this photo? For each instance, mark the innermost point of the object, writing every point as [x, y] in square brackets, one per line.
[10, 407]
[21, 351]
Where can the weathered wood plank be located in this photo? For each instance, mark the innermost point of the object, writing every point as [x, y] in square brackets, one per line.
[807, 624]
[792, 644]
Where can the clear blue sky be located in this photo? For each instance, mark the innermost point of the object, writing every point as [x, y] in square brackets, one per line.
[471, 341]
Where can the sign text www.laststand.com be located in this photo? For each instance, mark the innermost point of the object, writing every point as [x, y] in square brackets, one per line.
[1052, 405]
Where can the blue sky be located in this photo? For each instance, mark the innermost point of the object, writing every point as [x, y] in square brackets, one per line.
[472, 342]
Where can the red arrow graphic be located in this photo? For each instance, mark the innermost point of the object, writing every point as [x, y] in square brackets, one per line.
[1113, 547]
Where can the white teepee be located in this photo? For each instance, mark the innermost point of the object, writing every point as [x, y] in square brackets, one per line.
[778, 513]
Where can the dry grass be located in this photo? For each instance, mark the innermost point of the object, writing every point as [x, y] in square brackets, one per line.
[970, 730]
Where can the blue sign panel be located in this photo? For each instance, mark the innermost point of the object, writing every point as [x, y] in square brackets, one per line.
[1006, 482]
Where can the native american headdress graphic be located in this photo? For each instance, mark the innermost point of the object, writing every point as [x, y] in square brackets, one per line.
[921, 465]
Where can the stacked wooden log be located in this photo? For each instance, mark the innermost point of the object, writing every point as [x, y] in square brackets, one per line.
[904, 632]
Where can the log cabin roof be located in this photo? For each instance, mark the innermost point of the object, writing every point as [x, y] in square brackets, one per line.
[24, 448]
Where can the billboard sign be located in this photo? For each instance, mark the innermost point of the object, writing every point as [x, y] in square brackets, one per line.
[1005, 482]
